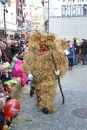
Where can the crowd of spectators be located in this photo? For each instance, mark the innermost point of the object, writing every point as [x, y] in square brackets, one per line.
[10, 50]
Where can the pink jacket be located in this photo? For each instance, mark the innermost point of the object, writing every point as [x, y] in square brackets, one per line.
[19, 72]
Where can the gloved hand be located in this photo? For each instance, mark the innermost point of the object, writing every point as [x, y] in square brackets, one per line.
[57, 72]
[30, 77]
[66, 52]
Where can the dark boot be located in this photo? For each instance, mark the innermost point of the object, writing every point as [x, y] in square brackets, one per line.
[45, 110]
[83, 63]
[31, 93]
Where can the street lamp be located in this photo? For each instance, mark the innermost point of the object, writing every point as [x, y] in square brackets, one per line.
[5, 11]
[48, 16]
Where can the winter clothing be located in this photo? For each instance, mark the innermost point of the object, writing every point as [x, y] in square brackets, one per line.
[19, 72]
[76, 48]
[5, 77]
[76, 52]
[71, 51]
[8, 53]
[83, 46]
[70, 56]
[13, 62]
[15, 49]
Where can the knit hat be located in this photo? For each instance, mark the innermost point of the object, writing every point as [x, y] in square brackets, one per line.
[6, 65]
[5, 127]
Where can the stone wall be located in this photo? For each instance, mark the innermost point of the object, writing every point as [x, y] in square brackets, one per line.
[69, 27]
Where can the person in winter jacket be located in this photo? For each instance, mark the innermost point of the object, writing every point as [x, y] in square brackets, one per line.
[16, 48]
[8, 50]
[3, 56]
[83, 47]
[76, 52]
[70, 56]
[31, 83]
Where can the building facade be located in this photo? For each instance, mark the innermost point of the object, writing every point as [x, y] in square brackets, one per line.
[34, 16]
[66, 18]
[10, 18]
[19, 14]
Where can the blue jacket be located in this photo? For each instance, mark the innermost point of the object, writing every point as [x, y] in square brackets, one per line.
[71, 52]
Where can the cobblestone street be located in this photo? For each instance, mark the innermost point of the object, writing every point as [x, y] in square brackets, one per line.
[70, 116]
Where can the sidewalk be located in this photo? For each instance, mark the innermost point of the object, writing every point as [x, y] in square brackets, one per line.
[70, 116]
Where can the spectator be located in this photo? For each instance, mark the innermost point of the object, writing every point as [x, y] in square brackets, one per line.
[83, 47]
[70, 56]
[16, 48]
[76, 52]
[8, 50]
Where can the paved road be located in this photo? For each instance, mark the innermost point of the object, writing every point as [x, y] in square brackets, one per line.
[70, 116]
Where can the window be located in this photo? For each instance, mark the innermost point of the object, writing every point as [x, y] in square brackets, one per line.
[63, 10]
[84, 9]
[11, 17]
[74, 10]
[79, 10]
[68, 10]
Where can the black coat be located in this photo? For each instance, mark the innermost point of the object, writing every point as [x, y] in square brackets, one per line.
[83, 47]
[76, 47]
[16, 49]
[8, 53]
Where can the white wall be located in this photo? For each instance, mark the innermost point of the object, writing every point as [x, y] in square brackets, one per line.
[66, 27]
[10, 17]
[69, 27]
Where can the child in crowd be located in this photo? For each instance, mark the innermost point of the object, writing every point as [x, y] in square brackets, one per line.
[6, 75]
[31, 83]
[4, 97]
[70, 56]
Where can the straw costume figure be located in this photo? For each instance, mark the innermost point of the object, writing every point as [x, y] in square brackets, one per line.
[39, 61]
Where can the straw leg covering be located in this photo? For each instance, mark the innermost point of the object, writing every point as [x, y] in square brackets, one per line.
[45, 95]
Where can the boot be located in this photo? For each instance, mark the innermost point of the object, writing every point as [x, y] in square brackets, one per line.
[83, 63]
[31, 93]
[69, 68]
[45, 110]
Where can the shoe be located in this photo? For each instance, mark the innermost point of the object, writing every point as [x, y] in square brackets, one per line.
[45, 110]
[83, 63]
[69, 68]
[31, 93]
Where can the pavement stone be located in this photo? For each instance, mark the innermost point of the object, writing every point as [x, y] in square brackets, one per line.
[74, 85]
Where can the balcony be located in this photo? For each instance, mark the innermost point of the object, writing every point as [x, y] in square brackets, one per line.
[19, 18]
